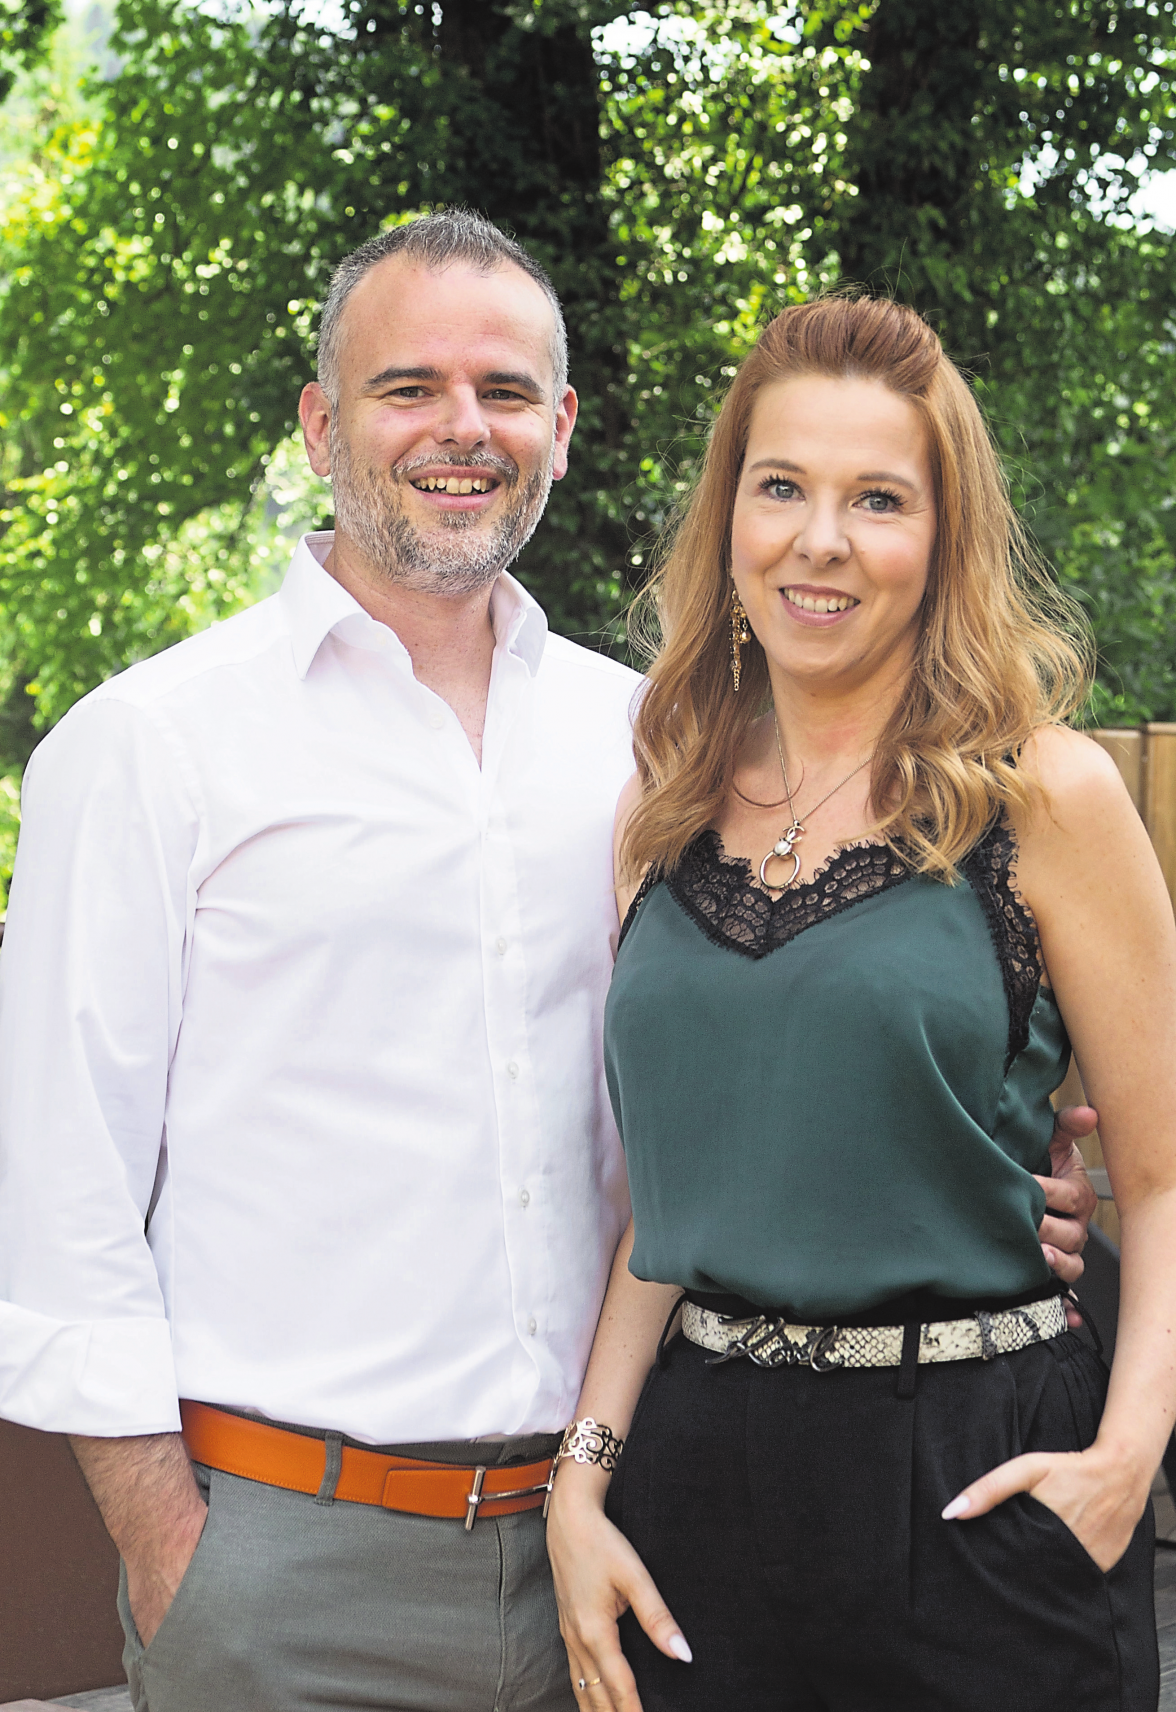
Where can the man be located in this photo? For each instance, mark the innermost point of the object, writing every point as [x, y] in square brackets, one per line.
[301, 1101]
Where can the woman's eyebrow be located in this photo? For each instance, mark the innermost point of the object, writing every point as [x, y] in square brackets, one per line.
[885, 475]
[799, 469]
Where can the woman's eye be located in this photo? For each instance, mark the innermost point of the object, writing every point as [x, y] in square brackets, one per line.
[879, 500]
[777, 487]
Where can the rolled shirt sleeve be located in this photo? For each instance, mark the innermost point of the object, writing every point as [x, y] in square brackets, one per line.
[91, 983]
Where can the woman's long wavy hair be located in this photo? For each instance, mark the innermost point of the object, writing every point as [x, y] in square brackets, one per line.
[1001, 649]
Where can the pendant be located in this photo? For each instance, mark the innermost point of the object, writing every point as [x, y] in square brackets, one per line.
[782, 850]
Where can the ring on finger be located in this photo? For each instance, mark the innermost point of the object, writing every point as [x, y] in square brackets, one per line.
[584, 1683]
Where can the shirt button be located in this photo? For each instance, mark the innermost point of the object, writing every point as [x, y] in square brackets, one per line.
[436, 719]
[512, 1070]
[524, 1197]
[532, 1326]
[500, 946]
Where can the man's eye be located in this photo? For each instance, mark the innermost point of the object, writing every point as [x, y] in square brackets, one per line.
[499, 393]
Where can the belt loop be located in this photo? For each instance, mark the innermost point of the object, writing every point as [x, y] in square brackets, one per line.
[1072, 1301]
[332, 1469]
[908, 1371]
[988, 1345]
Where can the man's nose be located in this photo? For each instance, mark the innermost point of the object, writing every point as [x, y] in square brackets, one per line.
[461, 420]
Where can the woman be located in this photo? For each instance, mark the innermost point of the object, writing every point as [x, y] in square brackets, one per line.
[884, 889]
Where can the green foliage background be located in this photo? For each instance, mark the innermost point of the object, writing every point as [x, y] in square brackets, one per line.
[167, 231]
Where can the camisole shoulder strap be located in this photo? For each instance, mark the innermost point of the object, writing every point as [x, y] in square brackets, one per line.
[652, 876]
[990, 869]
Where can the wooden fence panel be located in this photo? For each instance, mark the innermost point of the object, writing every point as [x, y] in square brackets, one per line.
[1126, 749]
[1159, 796]
[59, 1633]
[1146, 759]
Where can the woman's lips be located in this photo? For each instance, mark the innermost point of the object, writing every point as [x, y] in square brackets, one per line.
[821, 608]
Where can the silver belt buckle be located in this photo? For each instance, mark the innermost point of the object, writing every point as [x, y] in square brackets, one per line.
[821, 1357]
[478, 1497]
[475, 1498]
[766, 1347]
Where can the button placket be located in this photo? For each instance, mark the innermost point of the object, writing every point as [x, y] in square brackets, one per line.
[506, 996]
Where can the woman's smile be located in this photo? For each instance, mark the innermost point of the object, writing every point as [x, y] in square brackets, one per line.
[818, 606]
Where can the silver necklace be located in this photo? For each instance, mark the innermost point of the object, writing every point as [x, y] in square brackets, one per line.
[783, 845]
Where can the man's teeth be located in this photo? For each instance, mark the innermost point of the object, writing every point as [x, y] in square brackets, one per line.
[453, 484]
[819, 603]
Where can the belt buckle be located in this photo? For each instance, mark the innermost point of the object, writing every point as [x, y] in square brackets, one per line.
[474, 1499]
[477, 1497]
[756, 1345]
[820, 1358]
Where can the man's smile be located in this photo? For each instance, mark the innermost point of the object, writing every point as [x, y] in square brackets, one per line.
[454, 484]
[457, 488]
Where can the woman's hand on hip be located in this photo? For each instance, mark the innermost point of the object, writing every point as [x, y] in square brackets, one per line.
[1098, 1498]
[598, 1576]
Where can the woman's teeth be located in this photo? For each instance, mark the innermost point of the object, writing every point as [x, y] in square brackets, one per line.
[452, 484]
[819, 603]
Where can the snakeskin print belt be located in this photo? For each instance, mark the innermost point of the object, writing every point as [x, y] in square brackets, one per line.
[770, 1342]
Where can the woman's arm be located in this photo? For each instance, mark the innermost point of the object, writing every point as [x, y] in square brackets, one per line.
[1088, 873]
[598, 1575]
[624, 884]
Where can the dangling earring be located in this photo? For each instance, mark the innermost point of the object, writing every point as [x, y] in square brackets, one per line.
[740, 636]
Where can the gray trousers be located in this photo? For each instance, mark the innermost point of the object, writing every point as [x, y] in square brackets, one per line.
[292, 1605]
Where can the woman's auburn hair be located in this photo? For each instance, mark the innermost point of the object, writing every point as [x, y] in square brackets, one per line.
[1001, 649]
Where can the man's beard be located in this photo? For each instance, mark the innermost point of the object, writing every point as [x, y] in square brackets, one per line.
[369, 508]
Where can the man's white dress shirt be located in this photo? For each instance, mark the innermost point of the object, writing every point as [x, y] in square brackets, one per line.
[291, 981]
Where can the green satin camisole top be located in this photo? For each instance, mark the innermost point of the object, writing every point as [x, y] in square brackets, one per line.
[837, 1097]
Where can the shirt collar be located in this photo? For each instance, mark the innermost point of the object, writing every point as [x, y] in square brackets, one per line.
[314, 605]
[520, 623]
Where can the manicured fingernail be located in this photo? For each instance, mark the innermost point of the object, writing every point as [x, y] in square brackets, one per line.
[957, 1507]
[680, 1650]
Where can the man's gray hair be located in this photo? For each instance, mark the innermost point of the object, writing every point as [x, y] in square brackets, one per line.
[434, 241]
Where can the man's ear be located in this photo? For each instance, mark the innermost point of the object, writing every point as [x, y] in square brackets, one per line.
[314, 412]
[565, 421]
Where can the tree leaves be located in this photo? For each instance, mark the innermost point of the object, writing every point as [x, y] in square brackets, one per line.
[163, 255]
[25, 28]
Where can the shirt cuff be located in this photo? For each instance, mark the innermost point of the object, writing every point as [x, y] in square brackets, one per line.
[99, 1378]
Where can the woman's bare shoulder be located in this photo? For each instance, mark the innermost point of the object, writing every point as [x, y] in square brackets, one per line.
[627, 801]
[1076, 775]
[625, 884]
[1079, 826]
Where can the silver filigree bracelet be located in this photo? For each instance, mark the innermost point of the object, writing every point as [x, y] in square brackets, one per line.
[584, 1442]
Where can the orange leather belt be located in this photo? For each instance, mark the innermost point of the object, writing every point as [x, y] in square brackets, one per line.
[262, 1452]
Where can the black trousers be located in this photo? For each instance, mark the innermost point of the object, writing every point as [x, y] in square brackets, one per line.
[791, 1520]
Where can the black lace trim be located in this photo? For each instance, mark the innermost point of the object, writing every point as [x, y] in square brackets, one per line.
[990, 870]
[720, 895]
[652, 876]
